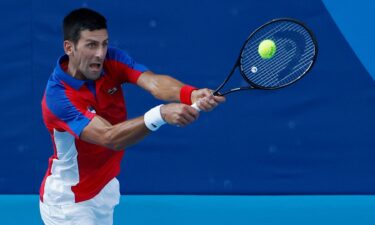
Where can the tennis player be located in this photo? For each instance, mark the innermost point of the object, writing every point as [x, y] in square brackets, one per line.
[85, 113]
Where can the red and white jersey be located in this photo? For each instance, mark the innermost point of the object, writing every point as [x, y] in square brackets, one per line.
[78, 170]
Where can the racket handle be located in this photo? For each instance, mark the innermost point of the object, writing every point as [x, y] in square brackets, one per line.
[195, 106]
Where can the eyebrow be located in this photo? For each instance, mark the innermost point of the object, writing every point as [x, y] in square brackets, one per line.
[92, 40]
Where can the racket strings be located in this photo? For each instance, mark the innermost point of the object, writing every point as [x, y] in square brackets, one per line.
[276, 65]
[293, 57]
[270, 76]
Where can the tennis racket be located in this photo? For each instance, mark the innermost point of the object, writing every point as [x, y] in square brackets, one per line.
[294, 53]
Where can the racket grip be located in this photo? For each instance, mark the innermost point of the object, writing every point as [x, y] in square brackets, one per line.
[195, 106]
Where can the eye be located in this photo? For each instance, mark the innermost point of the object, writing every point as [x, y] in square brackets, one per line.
[91, 45]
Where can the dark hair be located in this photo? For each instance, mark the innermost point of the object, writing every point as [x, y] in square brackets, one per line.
[82, 19]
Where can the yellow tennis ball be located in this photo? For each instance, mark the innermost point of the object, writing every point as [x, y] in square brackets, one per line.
[267, 49]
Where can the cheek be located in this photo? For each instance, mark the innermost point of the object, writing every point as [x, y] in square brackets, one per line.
[84, 60]
[87, 57]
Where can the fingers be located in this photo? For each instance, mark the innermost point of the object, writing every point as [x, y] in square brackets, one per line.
[187, 116]
[206, 100]
[183, 115]
[179, 114]
[207, 103]
[220, 99]
[210, 102]
[206, 92]
[200, 93]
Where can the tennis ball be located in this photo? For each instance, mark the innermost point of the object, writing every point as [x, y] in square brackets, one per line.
[267, 49]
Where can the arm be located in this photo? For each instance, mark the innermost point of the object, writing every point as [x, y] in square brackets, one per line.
[166, 88]
[162, 87]
[117, 137]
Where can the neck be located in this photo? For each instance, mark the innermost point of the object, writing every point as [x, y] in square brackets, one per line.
[74, 71]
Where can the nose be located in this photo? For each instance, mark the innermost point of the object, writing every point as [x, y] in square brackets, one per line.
[101, 52]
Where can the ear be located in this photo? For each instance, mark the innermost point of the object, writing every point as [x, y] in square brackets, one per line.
[68, 47]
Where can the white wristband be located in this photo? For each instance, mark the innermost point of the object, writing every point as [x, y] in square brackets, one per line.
[153, 119]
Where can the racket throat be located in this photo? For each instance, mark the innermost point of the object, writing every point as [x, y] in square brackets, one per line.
[234, 90]
[216, 92]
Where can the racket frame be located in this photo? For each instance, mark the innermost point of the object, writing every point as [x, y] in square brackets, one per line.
[253, 85]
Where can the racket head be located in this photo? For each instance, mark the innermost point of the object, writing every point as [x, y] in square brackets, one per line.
[296, 52]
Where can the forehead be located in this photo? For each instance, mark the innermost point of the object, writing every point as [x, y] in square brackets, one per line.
[95, 35]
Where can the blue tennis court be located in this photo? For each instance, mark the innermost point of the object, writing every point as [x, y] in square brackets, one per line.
[201, 210]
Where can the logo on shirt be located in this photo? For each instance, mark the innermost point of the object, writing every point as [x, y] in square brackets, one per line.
[91, 109]
[111, 91]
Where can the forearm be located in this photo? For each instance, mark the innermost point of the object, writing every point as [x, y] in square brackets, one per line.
[117, 137]
[127, 133]
[169, 89]
[162, 87]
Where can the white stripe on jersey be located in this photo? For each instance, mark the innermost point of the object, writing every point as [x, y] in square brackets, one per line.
[64, 171]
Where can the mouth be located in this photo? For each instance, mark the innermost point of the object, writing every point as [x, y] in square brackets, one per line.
[95, 66]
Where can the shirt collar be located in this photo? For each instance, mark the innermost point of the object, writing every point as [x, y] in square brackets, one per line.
[61, 74]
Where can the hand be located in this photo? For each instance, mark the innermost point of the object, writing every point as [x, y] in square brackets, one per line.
[206, 101]
[178, 114]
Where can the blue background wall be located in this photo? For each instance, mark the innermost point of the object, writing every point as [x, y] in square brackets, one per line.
[311, 138]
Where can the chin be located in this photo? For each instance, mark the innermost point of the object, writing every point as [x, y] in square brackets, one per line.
[92, 76]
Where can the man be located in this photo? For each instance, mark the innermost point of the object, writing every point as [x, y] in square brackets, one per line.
[84, 111]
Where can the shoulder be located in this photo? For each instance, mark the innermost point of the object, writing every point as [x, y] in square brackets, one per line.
[60, 98]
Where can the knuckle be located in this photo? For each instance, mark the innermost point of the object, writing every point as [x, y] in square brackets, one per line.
[183, 108]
